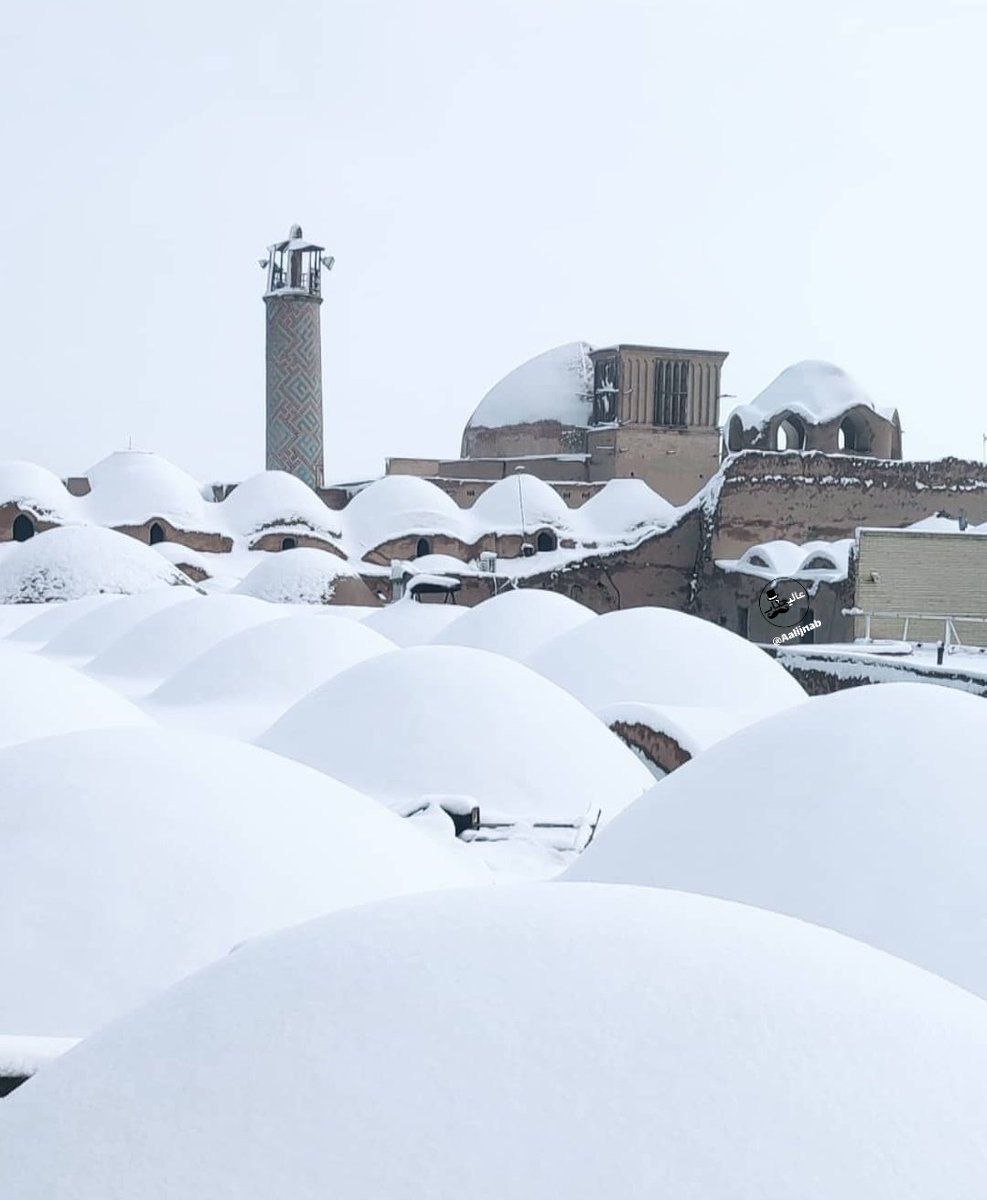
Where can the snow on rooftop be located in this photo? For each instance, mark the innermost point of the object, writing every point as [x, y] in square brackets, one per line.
[40, 697]
[72, 561]
[770, 560]
[132, 857]
[396, 506]
[410, 623]
[588, 1041]
[92, 631]
[660, 656]
[247, 681]
[502, 505]
[861, 811]
[275, 498]
[304, 575]
[516, 622]
[164, 642]
[554, 386]
[130, 486]
[813, 390]
[434, 720]
[35, 489]
[623, 505]
[46, 621]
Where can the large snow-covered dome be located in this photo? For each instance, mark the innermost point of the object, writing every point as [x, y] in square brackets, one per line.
[669, 671]
[554, 386]
[40, 697]
[275, 498]
[523, 1042]
[398, 506]
[515, 623]
[72, 561]
[92, 630]
[131, 857]
[245, 682]
[447, 720]
[862, 811]
[130, 486]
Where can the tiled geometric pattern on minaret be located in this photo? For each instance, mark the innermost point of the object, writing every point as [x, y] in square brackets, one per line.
[294, 386]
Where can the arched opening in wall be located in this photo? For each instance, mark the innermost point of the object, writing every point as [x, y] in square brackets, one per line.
[819, 562]
[735, 434]
[23, 528]
[424, 547]
[289, 543]
[758, 560]
[546, 541]
[157, 534]
[853, 436]
[790, 434]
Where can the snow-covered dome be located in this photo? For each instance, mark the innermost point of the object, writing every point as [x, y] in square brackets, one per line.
[72, 561]
[660, 656]
[164, 642]
[275, 498]
[91, 632]
[397, 506]
[47, 621]
[554, 386]
[447, 720]
[622, 506]
[40, 697]
[516, 622]
[132, 857]
[306, 575]
[861, 811]
[131, 486]
[35, 489]
[408, 623]
[814, 390]
[781, 558]
[498, 509]
[523, 1042]
[245, 682]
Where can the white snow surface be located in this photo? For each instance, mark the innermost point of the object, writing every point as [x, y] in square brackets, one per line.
[40, 697]
[275, 499]
[91, 632]
[500, 506]
[861, 811]
[304, 575]
[516, 622]
[164, 642]
[625, 505]
[399, 506]
[132, 857]
[662, 657]
[245, 682]
[556, 385]
[523, 1042]
[35, 489]
[813, 390]
[409, 623]
[72, 561]
[433, 720]
[48, 620]
[769, 560]
[24, 1055]
[130, 486]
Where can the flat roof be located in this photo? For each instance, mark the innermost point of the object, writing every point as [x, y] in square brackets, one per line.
[662, 350]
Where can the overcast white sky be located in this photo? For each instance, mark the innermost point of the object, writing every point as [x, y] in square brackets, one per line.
[780, 180]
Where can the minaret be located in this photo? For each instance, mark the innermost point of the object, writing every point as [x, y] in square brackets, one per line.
[294, 357]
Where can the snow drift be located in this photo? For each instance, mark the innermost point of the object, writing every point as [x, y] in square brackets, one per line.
[523, 1042]
[516, 622]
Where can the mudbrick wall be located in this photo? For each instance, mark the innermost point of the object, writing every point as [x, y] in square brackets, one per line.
[804, 496]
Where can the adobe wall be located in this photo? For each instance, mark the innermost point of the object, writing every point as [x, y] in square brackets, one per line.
[273, 540]
[661, 749]
[216, 543]
[676, 463]
[9, 514]
[801, 497]
[731, 599]
[518, 441]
